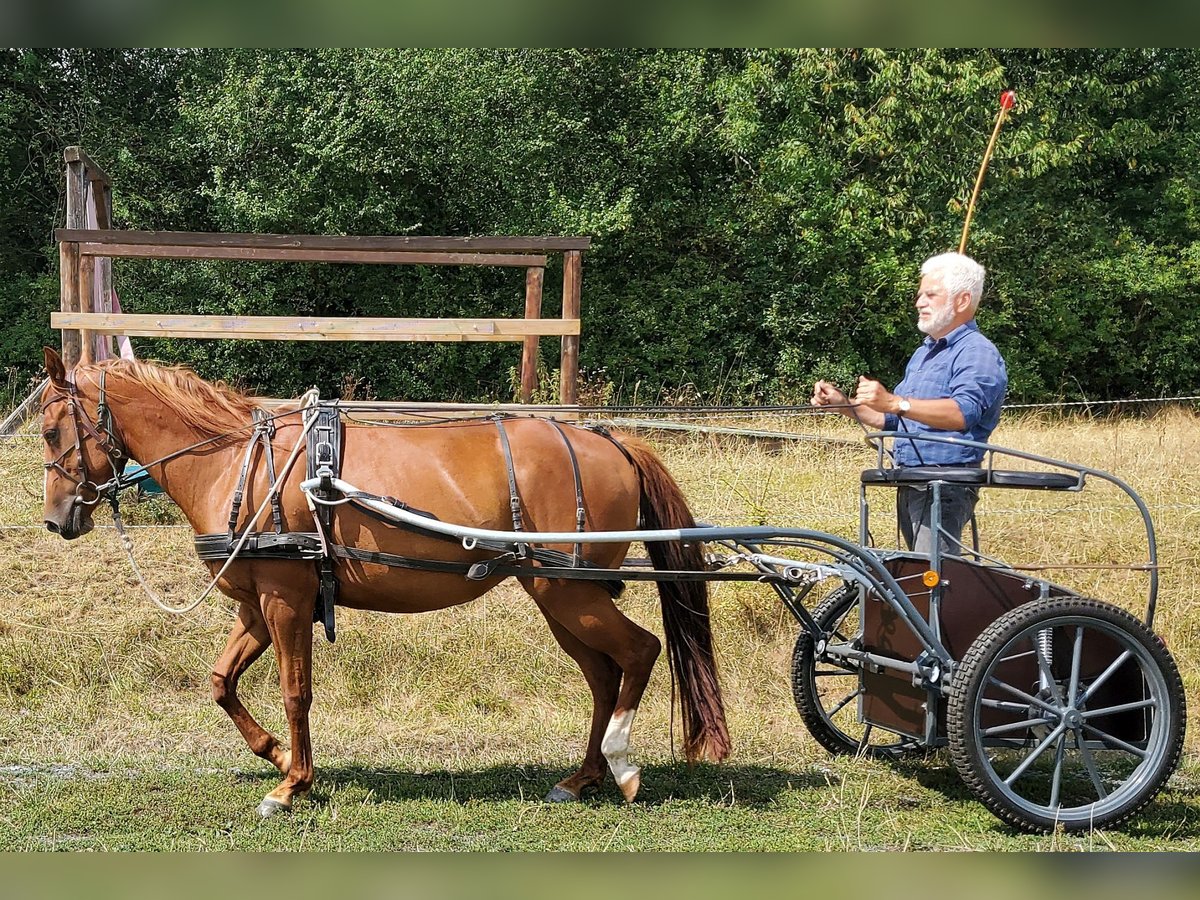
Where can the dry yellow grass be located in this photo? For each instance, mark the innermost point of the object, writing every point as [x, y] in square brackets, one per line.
[88, 669]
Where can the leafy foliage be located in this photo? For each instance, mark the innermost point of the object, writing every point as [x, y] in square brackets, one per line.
[758, 216]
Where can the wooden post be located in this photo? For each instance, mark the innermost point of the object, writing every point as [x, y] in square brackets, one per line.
[73, 342]
[68, 292]
[569, 362]
[533, 310]
[86, 293]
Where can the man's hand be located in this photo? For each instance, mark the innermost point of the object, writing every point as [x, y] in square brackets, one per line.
[875, 396]
[825, 394]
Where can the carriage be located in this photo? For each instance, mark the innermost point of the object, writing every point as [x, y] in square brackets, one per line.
[1059, 711]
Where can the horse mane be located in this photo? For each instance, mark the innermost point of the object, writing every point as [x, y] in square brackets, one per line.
[210, 407]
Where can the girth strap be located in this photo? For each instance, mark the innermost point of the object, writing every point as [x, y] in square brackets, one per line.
[580, 512]
[514, 499]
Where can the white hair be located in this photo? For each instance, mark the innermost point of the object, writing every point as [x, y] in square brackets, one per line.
[959, 273]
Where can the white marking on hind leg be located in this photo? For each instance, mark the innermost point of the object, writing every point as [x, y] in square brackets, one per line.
[615, 748]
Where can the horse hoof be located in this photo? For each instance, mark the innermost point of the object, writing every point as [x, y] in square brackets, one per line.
[560, 794]
[631, 785]
[270, 806]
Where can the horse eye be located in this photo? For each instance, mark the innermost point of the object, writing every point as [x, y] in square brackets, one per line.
[51, 435]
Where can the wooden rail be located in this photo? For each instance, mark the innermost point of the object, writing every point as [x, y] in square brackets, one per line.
[86, 249]
[285, 328]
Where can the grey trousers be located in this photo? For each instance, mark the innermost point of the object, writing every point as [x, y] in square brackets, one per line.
[913, 506]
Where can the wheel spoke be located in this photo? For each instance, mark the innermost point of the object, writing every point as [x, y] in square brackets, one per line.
[1032, 757]
[1013, 656]
[1124, 707]
[1056, 780]
[1029, 698]
[1116, 742]
[1089, 762]
[866, 739]
[1006, 705]
[1044, 668]
[1104, 676]
[1014, 726]
[1076, 659]
[831, 713]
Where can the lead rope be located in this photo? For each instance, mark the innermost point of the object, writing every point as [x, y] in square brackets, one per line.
[306, 401]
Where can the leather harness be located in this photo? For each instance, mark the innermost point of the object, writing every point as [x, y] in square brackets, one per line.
[325, 453]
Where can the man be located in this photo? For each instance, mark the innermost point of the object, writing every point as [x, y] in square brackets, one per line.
[954, 386]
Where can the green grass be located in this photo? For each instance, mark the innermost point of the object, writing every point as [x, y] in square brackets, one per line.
[837, 805]
[441, 731]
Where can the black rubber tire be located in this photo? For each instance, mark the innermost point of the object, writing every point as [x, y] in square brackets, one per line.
[830, 615]
[1075, 773]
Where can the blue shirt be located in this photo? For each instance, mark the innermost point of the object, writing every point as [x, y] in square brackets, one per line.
[965, 367]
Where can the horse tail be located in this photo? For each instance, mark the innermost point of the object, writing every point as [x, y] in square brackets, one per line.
[685, 614]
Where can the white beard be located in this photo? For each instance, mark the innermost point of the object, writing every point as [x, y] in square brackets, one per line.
[940, 320]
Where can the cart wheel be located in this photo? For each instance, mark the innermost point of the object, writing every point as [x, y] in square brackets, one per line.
[1068, 713]
[826, 693]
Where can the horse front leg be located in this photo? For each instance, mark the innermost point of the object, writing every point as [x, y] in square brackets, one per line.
[289, 622]
[247, 641]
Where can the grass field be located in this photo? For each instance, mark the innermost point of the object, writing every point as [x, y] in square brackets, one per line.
[442, 731]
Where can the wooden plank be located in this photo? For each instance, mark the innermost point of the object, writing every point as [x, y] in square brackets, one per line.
[94, 172]
[568, 393]
[529, 353]
[68, 298]
[289, 254]
[285, 328]
[102, 195]
[87, 291]
[97, 217]
[524, 244]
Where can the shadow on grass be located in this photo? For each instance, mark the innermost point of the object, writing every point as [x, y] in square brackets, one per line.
[1172, 815]
[752, 786]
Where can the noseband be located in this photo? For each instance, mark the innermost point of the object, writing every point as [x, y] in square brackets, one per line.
[88, 492]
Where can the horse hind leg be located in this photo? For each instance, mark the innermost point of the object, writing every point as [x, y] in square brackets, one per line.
[247, 641]
[604, 679]
[589, 615]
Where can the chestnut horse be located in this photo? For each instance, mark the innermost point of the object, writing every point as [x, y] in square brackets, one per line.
[458, 473]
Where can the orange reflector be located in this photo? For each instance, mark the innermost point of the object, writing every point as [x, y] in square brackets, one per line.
[930, 578]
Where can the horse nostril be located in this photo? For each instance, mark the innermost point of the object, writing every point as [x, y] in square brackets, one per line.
[52, 528]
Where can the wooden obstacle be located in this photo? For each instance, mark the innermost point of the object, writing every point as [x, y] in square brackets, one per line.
[89, 243]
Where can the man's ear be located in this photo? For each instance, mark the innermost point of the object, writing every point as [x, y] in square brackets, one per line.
[962, 302]
[54, 367]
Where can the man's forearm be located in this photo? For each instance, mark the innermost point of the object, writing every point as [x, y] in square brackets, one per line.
[869, 417]
[943, 414]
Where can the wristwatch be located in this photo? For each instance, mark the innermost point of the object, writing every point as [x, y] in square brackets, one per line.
[905, 406]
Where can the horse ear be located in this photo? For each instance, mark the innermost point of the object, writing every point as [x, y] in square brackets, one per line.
[54, 366]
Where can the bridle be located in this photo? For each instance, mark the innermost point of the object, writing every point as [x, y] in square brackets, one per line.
[102, 431]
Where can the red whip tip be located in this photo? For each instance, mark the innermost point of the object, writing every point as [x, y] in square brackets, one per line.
[1007, 99]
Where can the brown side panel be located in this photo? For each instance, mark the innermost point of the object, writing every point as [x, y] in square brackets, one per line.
[973, 598]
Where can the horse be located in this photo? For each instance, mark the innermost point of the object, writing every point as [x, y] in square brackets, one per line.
[191, 435]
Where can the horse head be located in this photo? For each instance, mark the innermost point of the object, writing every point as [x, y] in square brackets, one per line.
[82, 454]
